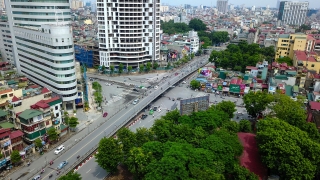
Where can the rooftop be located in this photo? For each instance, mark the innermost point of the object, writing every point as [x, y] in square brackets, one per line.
[302, 56]
[314, 105]
[29, 113]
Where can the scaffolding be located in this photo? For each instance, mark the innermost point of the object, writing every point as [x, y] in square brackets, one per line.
[84, 55]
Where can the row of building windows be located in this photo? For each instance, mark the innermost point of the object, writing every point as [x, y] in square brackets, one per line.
[39, 20]
[40, 7]
[44, 1]
[59, 89]
[46, 45]
[44, 64]
[45, 77]
[46, 52]
[39, 13]
[53, 74]
[44, 58]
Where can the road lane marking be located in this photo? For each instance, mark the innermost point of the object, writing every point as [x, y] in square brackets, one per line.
[98, 174]
[31, 170]
[88, 171]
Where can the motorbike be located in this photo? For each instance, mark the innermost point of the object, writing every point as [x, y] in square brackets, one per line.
[42, 171]
[50, 176]
[51, 162]
[78, 157]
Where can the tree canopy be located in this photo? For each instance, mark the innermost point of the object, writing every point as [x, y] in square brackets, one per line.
[285, 60]
[197, 146]
[241, 55]
[220, 37]
[288, 151]
[197, 25]
[71, 176]
[172, 28]
[256, 102]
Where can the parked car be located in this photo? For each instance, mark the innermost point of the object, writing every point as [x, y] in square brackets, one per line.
[108, 84]
[59, 149]
[62, 164]
[183, 82]
[136, 90]
[37, 177]
[155, 108]
[144, 116]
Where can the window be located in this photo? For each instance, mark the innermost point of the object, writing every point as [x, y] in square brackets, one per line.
[10, 95]
[57, 114]
[56, 40]
[312, 65]
[57, 107]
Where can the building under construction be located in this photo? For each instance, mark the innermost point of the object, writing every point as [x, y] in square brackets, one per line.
[87, 53]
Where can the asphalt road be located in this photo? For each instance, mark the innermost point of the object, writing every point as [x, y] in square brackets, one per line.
[91, 170]
[86, 141]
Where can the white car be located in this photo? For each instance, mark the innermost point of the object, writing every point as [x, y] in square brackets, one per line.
[107, 84]
[155, 87]
[159, 109]
[59, 149]
[183, 82]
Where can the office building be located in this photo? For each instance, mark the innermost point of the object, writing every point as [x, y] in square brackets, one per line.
[42, 44]
[292, 13]
[222, 6]
[130, 33]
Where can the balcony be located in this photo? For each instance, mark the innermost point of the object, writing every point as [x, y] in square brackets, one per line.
[56, 121]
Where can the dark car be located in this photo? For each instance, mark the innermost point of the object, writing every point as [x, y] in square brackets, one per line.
[136, 90]
[144, 116]
[173, 99]
[149, 87]
[105, 114]
[179, 98]
[155, 108]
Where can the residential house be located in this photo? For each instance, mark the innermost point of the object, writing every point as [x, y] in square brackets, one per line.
[10, 140]
[6, 94]
[308, 60]
[313, 110]
[32, 123]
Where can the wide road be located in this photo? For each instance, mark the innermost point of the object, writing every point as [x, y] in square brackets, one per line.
[90, 140]
[91, 170]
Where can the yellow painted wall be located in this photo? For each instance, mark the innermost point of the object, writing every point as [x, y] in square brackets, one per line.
[287, 46]
[17, 93]
[311, 65]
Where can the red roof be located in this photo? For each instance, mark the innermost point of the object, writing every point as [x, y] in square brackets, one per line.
[236, 81]
[314, 105]
[250, 157]
[15, 99]
[3, 63]
[275, 64]
[45, 90]
[24, 79]
[40, 105]
[34, 86]
[4, 134]
[302, 56]
[15, 134]
[251, 68]
[51, 99]
[4, 130]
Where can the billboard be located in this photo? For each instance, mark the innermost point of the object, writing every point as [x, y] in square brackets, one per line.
[188, 106]
[234, 88]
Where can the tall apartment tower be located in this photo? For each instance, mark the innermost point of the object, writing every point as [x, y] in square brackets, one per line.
[292, 13]
[222, 6]
[41, 44]
[129, 31]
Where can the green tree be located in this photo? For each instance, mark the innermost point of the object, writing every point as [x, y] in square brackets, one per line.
[256, 102]
[138, 161]
[1, 155]
[109, 154]
[285, 59]
[127, 139]
[120, 68]
[38, 143]
[103, 68]
[148, 67]
[141, 68]
[220, 37]
[242, 173]
[53, 135]
[71, 176]
[142, 136]
[286, 150]
[172, 28]
[206, 42]
[244, 126]
[112, 69]
[129, 69]
[15, 157]
[172, 116]
[231, 126]
[73, 122]
[191, 55]
[227, 107]
[155, 65]
[197, 25]
[195, 84]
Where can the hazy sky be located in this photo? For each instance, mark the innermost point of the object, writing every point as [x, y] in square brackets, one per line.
[248, 3]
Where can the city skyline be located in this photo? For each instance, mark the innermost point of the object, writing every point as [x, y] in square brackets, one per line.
[247, 3]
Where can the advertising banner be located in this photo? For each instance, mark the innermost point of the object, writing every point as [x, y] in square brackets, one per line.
[235, 88]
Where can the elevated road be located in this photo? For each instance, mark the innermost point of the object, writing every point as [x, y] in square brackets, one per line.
[85, 142]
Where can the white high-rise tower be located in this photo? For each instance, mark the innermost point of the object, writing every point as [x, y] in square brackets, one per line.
[222, 6]
[129, 32]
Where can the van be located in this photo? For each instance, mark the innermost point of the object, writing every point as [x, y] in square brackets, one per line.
[135, 101]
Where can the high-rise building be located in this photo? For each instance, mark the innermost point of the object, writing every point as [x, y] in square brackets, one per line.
[129, 32]
[222, 6]
[292, 13]
[41, 44]
[278, 4]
